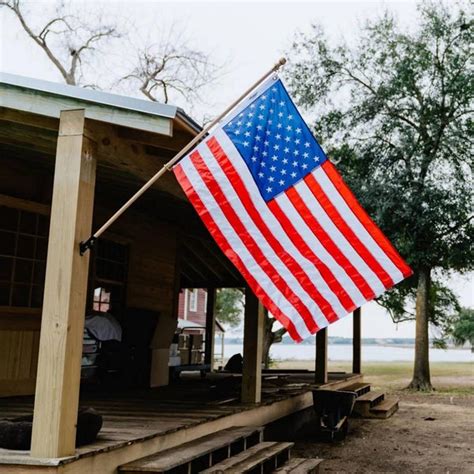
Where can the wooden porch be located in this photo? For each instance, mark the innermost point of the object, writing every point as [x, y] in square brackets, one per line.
[142, 422]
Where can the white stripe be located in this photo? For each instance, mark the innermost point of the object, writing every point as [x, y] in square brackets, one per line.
[353, 222]
[338, 238]
[313, 242]
[260, 240]
[310, 239]
[236, 243]
[270, 220]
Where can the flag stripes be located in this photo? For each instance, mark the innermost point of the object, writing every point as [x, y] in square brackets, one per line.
[309, 277]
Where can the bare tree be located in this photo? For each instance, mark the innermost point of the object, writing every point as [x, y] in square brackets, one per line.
[172, 66]
[70, 41]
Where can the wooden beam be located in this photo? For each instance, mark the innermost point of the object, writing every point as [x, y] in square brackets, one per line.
[356, 342]
[253, 343]
[210, 327]
[62, 325]
[321, 369]
[24, 205]
[50, 105]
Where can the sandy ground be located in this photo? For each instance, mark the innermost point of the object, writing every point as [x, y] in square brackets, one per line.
[431, 432]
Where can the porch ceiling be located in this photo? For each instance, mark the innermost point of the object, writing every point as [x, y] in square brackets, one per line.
[126, 159]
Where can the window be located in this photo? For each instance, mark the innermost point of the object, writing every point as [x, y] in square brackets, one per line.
[193, 299]
[109, 276]
[23, 249]
[101, 301]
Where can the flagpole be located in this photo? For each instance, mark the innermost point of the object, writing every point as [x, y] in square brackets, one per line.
[88, 244]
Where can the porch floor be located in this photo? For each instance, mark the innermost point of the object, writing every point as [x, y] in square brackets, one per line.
[167, 416]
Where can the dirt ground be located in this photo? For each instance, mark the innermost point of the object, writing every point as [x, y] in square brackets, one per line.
[431, 432]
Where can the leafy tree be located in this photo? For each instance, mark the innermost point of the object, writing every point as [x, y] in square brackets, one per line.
[394, 108]
[462, 330]
[229, 306]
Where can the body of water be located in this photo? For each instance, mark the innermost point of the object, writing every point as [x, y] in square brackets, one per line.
[343, 352]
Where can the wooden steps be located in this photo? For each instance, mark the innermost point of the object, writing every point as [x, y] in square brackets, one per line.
[384, 409]
[300, 466]
[360, 388]
[263, 457]
[198, 454]
[372, 404]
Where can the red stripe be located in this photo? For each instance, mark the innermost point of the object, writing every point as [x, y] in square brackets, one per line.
[250, 242]
[244, 196]
[327, 242]
[232, 255]
[305, 249]
[346, 231]
[364, 218]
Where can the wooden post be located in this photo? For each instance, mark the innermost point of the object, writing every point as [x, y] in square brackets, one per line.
[356, 342]
[62, 324]
[210, 327]
[321, 369]
[253, 344]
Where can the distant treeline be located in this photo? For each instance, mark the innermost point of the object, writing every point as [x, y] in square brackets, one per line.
[367, 341]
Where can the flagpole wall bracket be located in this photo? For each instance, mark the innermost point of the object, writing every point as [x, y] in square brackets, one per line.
[87, 244]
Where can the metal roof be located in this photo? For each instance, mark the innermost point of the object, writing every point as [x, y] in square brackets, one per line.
[99, 98]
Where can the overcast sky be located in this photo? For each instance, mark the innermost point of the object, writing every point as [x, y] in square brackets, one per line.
[248, 37]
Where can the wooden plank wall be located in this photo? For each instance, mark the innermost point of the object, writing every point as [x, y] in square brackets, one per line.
[151, 285]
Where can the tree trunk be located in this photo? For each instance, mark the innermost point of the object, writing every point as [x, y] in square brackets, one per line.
[267, 340]
[270, 337]
[421, 371]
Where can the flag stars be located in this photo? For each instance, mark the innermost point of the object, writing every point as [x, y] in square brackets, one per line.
[274, 141]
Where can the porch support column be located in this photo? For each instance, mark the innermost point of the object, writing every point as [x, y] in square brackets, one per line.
[321, 369]
[62, 324]
[253, 344]
[210, 327]
[356, 342]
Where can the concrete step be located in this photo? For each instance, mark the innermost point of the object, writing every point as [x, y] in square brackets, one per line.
[263, 457]
[360, 388]
[198, 454]
[300, 466]
[384, 409]
[368, 400]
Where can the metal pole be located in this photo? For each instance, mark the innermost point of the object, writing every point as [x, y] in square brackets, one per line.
[86, 245]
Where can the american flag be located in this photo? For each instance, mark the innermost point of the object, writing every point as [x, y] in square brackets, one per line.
[280, 211]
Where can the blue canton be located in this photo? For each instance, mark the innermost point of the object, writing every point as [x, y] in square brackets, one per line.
[274, 141]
